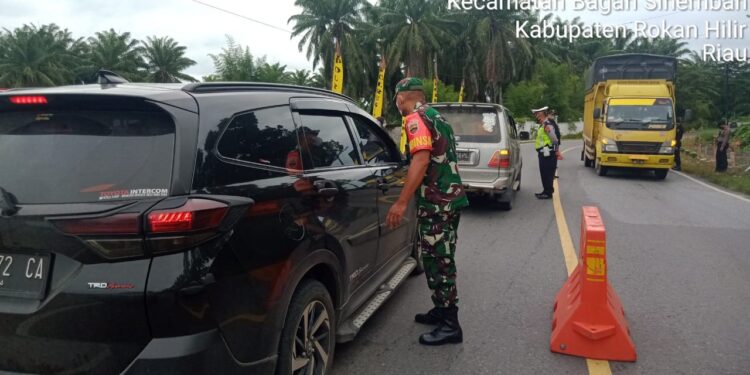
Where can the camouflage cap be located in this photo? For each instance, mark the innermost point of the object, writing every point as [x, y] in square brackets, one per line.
[409, 84]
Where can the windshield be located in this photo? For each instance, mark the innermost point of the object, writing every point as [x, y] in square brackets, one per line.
[640, 114]
[472, 124]
[72, 156]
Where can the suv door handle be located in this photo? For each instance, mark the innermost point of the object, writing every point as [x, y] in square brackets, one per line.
[326, 188]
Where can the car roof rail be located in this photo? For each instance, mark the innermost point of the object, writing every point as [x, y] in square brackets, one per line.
[202, 87]
[108, 77]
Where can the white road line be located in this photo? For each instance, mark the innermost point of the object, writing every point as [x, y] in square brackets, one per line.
[733, 195]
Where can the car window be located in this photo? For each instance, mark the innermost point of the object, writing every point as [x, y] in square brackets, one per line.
[325, 141]
[68, 156]
[375, 149]
[473, 124]
[512, 127]
[265, 136]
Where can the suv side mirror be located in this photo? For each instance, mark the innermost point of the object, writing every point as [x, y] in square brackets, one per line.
[688, 115]
[524, 135]
[597, 113]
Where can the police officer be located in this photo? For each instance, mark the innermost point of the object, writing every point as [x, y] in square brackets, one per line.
[433, 176]
[546, 147]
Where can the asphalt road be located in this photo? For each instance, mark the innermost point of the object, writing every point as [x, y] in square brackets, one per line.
[678, 256]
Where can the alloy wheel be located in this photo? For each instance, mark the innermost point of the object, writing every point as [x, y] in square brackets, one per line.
[312, 343]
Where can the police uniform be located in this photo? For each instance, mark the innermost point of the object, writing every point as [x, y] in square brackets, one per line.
[546, 147]
[439, 199]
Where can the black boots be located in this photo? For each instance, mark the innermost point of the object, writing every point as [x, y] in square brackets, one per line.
[432, 317]
[447, 331]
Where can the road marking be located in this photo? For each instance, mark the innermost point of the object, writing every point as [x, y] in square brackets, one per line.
[713, 187]
[595, 366]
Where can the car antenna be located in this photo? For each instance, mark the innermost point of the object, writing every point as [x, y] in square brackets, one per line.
[108, 77]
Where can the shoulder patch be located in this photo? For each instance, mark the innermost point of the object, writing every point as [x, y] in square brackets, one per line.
[413, 126]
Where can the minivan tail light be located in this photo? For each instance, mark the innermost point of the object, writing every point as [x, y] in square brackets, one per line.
[28, 99]
[194, 215]
[500, 159]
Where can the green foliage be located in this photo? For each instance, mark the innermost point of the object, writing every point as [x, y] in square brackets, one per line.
[446, 93]
[742, 133]
[39, 56]
[550, 85]
[165, 60]
[234, 63]
[115, 52]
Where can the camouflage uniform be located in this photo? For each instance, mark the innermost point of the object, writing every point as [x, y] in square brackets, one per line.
[439, 200]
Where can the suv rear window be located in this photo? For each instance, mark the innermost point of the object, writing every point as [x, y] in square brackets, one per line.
[472, 124]
[72, 156]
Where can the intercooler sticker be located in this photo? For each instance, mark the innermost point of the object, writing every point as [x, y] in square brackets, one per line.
[133, 193]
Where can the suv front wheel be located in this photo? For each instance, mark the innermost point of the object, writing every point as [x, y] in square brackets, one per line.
[308, 339]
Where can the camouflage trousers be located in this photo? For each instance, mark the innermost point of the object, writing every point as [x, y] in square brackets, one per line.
[437, 235]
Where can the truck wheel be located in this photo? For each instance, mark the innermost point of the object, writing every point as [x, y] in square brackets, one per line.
[661, 173]
[309, 336]
[600, 170]
[586, 161]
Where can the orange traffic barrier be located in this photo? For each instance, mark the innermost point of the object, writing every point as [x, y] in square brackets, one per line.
[588, 319]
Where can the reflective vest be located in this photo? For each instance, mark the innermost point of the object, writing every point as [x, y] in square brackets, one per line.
[542, 138]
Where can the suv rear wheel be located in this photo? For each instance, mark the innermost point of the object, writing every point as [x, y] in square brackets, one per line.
[308, 339]
[416, 252]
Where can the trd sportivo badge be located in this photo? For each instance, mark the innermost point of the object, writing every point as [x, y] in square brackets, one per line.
[110, 286]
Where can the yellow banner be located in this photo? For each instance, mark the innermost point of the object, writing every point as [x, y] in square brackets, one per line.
[434, 89]
[377, 107]
[461, 93]
[402, 144]
[338, 74]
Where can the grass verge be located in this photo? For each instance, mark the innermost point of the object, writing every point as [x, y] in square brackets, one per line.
[733, 179]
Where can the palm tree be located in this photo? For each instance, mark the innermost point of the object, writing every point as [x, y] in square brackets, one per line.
[166, 60]
[116, 52]
[300, 77]
[326, 26]
[39, 56]
[660, 46]
[505, 55]
[273, 73]
[416, 30]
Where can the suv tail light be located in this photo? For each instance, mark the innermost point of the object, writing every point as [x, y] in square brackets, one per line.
[178, 228]
[122, 231]
[121, 235]
[500, 159]
[194, 215]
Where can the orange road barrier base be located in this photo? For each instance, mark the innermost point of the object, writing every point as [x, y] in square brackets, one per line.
[588, 319]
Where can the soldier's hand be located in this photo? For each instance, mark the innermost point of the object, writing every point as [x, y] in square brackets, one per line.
[395, 214]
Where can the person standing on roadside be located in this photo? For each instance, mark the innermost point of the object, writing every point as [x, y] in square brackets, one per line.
[722, 144]
[433, 176]
[678, 145]
[546, 148]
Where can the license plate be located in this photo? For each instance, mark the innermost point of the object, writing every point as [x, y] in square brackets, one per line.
[23, 276]
[464, 156]
[636, 161]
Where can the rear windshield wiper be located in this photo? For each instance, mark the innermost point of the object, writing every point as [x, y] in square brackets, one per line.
[7, 203]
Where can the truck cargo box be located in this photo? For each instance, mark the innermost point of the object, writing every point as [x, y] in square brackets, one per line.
[631, 66]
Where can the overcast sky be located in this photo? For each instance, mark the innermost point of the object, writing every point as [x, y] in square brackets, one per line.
[202, 29]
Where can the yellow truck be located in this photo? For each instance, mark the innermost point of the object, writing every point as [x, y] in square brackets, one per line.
[629, 113]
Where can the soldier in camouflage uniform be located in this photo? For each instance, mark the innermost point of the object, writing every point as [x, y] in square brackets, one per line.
[433, 176]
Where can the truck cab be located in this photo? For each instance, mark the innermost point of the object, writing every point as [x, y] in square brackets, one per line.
[629, 114]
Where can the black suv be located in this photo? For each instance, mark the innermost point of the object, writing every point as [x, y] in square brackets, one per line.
[202, 228]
